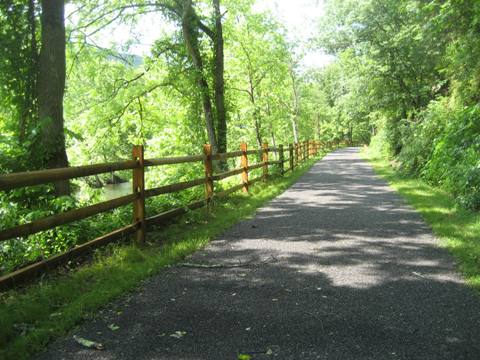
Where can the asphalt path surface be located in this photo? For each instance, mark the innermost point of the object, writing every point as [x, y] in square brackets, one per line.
[337, 267]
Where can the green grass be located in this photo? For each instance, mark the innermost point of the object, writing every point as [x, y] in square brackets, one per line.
[457, 228]
[32, 317]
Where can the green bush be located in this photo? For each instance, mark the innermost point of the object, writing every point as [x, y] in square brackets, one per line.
[455, 161]
[420, 137]
[442, 146]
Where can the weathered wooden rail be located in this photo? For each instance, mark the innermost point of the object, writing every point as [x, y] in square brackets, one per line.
[296, 153]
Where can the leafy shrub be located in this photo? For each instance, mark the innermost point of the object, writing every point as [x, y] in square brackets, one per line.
[455, 161]
[420, 137]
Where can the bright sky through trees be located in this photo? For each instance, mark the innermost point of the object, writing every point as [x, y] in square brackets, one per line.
[299, 17]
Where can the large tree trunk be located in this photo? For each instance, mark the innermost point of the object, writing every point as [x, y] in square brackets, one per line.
[219, 80]
[191, 43]
[51, 86]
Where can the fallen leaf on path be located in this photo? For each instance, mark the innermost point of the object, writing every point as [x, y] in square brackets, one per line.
[88, 343]
[178, 334]
[417, 274]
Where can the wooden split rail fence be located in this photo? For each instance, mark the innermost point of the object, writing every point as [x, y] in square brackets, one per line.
[296, 153]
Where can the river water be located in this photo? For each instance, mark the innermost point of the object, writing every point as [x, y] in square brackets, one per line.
[112, 191]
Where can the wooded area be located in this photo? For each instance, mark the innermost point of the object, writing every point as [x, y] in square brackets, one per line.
[221, 73]
[405, 78]
[407, 75]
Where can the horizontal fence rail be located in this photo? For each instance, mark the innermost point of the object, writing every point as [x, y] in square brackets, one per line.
[296, 153]
[29, 178]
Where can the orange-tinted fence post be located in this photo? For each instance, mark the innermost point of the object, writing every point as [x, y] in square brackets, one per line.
[138, 182]
[207, 162]
[265, 160]
[296, 153]
[307, 149]
[244, 164]
[281, 158]
[290, 154]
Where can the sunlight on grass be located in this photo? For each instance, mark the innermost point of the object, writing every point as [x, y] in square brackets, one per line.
[457, 228]
[33, 317]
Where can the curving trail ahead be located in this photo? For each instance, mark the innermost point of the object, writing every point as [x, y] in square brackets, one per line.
[337, 267]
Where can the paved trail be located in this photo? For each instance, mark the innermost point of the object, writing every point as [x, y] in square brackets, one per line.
[338, 267]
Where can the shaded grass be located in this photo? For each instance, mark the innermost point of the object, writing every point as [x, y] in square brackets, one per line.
[457, 228]
[32, 317]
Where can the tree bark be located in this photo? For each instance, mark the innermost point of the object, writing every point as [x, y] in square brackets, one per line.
[219, 80]
[190, 37]
[51, 86]
[296, 105]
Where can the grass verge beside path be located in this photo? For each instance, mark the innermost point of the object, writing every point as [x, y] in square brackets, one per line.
[457, 228]
[33, 317]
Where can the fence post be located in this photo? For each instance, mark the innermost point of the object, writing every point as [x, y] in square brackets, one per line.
[307, 148]
[290, 154]
[244, 164]
[280, 158]
[265, 160]
[296, 153]
[138, 182]
[207, 162]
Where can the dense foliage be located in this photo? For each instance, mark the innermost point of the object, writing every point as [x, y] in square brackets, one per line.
[221, 73]
[408, 72]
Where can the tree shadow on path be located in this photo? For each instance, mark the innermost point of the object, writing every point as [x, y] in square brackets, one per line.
[337, 267]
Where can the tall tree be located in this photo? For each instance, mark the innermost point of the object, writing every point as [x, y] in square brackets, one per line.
[219, 71]
[51, 86]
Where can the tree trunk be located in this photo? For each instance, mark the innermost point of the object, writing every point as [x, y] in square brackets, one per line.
[51, 86]
[296, 105]
[274, 144]
[190, 37]
[29, 111]
[258, 131]
[294, 128]
[219, 80]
